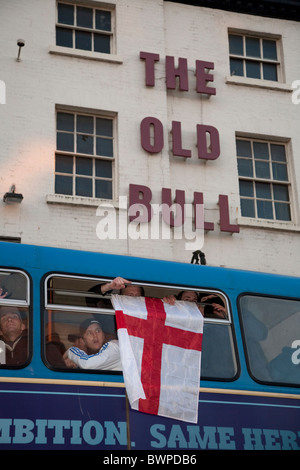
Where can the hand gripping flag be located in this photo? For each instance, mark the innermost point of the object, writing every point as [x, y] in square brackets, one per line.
[160, 348]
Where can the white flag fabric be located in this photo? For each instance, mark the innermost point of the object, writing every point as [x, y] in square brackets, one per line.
[160, 348]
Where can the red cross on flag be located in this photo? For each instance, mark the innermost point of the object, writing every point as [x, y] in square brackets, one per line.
[160, 348]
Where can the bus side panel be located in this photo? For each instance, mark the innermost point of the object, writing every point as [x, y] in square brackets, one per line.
[39, 416]
[226, 422]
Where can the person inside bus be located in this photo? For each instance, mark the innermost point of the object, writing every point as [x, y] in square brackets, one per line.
[14, 334]
[214, 307]
[119, 283]
[98, 353]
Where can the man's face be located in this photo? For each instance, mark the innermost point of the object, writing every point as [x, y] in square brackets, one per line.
[132, 291]
[94, 337]
[189, 296]
[11, 324]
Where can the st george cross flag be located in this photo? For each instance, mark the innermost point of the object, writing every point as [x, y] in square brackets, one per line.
[160, 348]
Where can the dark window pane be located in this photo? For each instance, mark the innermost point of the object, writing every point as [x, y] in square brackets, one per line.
[270, 326]
[102, 43]
[236, 44]
[243, 148]
[65, 13]
[104, 127]
[247, 208]
[64, 37]
[85, 144]
[270, 72]
[252, 47]
[278, 153]
[260, 150]
[84, 187]
[85, 124]
[65, 122]
[252, 69]
[281, 192]
[85, 17]
[263, 190]
[246, 188]
[104, 147]
[63, 184]
[103, 168]
[84, 166]
[279, 172]
[83, 40]
[63, 164]
[236, 67]
[103, 189]
[282, 211]
[245, 167]
[262, 169]
[264, 209]
[269, 49]
[65, 142]
[218, 364]
[103, 20]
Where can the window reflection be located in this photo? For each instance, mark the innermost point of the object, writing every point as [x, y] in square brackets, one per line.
[271, 330]
[71, 302]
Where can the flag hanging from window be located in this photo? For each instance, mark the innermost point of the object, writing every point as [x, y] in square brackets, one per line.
[160, 347]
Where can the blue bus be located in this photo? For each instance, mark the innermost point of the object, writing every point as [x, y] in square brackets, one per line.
[250, 370]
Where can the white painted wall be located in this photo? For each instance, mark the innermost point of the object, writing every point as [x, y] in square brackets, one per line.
[44, 79]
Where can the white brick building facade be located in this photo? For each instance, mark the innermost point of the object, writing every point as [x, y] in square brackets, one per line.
[51, 79]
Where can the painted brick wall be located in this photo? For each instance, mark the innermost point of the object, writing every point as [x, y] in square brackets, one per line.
[44, 80]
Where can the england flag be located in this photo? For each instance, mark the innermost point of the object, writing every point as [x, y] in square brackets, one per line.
[160, 348]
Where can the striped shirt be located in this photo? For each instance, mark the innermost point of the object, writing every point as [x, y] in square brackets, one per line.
[108, 358]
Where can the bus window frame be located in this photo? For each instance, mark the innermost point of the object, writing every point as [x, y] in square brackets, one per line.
[28, 304]
[45, 305]
[244, 340]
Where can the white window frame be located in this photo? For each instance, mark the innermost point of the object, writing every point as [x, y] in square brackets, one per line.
[74, 198]
[263, 222]
[280, 84]
[112, 57]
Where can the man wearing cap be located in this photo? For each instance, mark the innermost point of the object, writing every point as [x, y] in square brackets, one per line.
[99, 354]
[14, 335]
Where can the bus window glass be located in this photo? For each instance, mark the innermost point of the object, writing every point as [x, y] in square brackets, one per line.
[14, 319]
[72, 301]
[271, 329]
[218, 355]
[14, 286]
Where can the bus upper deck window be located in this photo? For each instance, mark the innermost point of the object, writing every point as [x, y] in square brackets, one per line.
[14, 319]
[71, 300]
[271, 328]
[73, 305]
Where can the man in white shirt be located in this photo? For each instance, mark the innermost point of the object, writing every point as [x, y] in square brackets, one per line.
[98, 353]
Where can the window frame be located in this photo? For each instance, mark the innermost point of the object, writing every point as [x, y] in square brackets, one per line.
[94, 7]
[269, 383]
[45, 306]
[244, 57]
[254, 179]
[23, 304]
[75, 155]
